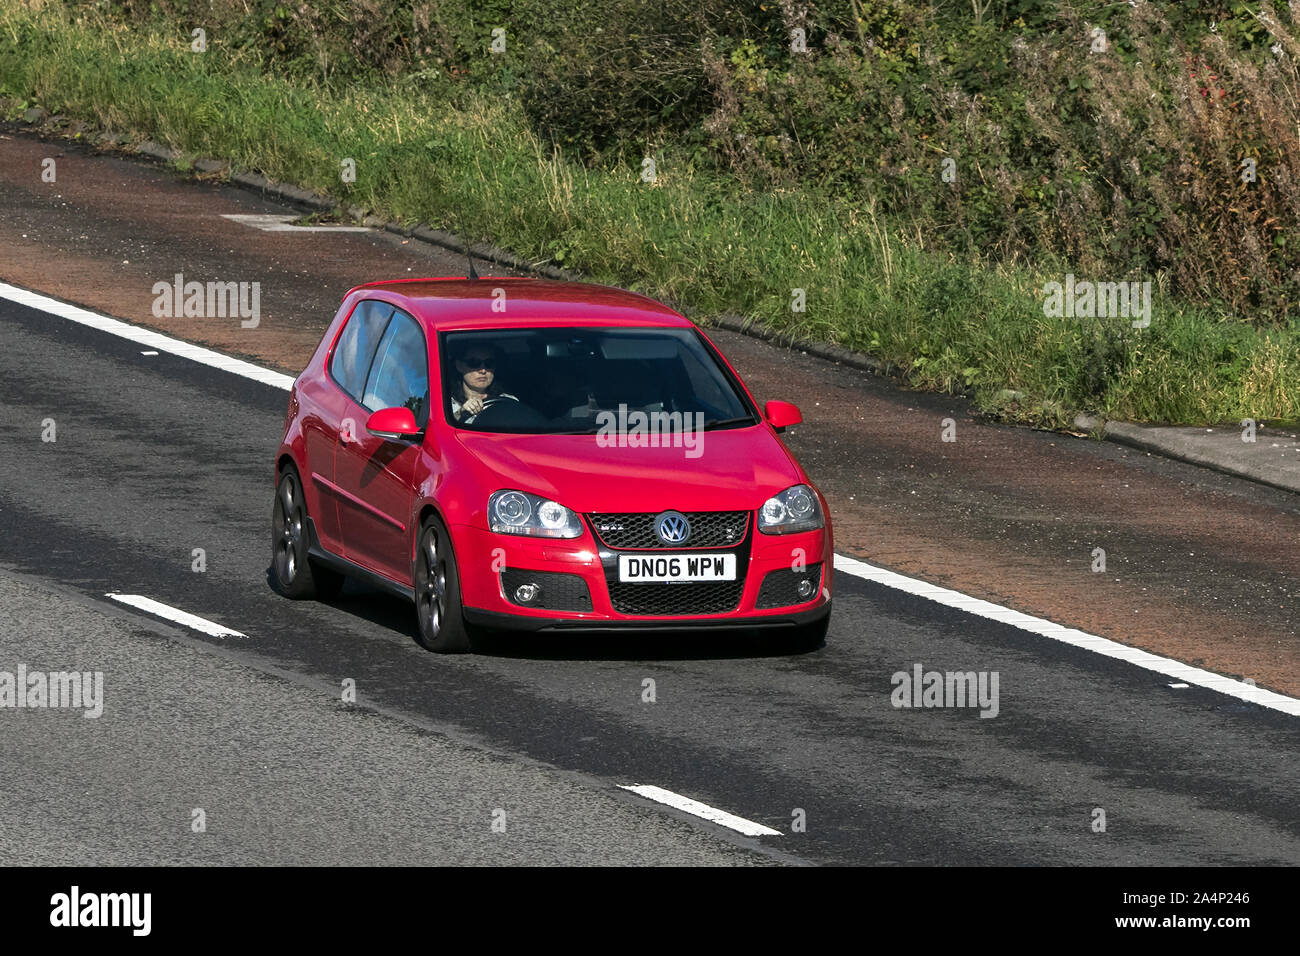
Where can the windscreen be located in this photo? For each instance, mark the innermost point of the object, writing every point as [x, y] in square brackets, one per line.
[570, 380]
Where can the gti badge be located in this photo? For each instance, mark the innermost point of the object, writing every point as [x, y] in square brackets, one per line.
[672, 527]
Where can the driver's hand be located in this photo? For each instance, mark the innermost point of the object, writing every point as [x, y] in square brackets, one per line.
[474, 406]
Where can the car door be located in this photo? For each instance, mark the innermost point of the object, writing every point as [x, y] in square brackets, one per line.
[322, 407]
[375, 478]
[335, 409]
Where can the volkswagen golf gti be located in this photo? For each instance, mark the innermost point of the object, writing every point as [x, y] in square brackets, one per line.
[529, 455]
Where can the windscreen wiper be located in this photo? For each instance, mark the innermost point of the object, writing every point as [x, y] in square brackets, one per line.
[720, 423]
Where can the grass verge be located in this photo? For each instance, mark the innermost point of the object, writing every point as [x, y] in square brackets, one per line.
[468, 162]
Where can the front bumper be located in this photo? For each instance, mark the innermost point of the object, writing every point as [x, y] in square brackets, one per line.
[588, 625]
[483, 556]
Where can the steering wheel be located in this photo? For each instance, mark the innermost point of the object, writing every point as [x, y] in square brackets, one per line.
[501, 412]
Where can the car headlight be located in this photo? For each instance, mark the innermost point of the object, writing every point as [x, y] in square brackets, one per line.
[795, 509]
[517, 512]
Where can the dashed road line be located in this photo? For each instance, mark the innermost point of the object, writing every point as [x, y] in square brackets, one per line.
[174, 615]
[276, 223]
[702, 810]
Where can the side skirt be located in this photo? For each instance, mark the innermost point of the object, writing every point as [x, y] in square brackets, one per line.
[344, 566]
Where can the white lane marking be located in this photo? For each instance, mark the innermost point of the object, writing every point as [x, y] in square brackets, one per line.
[154, 340]
[1067, 635]
[151, 352]
[174, 614]
[274, 223]
[1180, 686]
[694, 807]
[869, 572]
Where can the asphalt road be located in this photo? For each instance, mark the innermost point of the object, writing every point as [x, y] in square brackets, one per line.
[156, 456]
[1200, 567]
[180, 768]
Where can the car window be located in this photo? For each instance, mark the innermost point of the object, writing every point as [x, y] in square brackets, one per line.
[399, 375]
[350, 364]
[570, 380]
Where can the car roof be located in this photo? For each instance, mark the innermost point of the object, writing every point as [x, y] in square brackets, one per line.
[459, 303]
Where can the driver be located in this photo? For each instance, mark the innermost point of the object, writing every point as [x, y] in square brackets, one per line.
[476, 386]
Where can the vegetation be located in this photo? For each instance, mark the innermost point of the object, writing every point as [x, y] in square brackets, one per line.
[921, 172]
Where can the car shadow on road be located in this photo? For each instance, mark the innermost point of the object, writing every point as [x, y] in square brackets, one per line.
[640, 645]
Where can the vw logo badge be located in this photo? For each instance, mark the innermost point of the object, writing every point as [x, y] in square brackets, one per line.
[672, 527]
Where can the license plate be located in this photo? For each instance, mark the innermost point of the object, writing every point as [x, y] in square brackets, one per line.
[676, 568]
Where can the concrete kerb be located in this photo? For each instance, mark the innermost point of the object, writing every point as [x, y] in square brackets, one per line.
[1228, 458]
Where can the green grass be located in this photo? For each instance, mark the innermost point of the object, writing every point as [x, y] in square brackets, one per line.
[469, 163]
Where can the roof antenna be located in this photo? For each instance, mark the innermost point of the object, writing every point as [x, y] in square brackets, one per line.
[470, 259]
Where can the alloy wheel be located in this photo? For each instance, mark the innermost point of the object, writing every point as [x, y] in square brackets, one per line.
[288, 520]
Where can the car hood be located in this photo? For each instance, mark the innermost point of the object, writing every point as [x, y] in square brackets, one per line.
[736, 469]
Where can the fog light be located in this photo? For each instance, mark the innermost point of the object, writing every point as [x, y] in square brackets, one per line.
[527, 593]
[805, 587]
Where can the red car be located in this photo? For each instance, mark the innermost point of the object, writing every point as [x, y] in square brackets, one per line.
[586, 459]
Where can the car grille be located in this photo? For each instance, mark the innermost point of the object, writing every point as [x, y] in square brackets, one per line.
[559, 592]
[630, 531]
[713, 597]
[780, 588]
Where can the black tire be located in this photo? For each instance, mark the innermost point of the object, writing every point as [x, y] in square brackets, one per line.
[293, 573]
[809, 637]
[440, 620]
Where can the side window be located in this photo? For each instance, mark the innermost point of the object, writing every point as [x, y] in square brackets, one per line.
[355, 350]
[399, 375]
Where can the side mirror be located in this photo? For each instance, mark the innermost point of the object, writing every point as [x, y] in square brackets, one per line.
[781, 415]
[393, 424]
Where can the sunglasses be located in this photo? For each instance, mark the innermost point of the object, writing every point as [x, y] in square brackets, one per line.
[476, 362]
